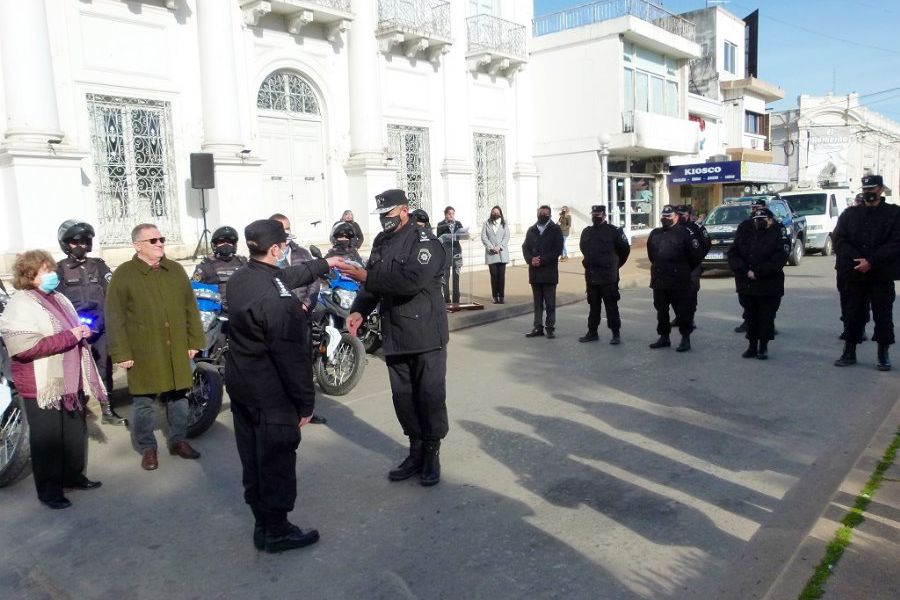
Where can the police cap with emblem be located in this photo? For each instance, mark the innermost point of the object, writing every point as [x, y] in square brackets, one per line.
[683, 209]
[263, 234]
[759, 203]
[764, 213]
[388, 199]
[872, 181]
[598, 209]
[668, 210]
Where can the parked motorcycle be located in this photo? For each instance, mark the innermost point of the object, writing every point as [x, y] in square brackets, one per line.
[339, 358]
[15, 448]
[205, 395]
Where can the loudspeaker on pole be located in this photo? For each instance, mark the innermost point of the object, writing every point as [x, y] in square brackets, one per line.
[203, 172]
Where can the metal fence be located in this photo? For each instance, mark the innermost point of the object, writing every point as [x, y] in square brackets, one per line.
[343, 5]
[487, 32]
[425, 17]
[606, 10]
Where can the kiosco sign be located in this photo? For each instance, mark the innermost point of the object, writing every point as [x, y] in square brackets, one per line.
[706, 173]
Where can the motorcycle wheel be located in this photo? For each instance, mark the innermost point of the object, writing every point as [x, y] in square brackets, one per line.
[341, 375]
[371, 340]
[15, 447]
[204, 399]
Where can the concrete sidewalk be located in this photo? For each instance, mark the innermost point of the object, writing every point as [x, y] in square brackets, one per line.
[518, 301]
[870, 565]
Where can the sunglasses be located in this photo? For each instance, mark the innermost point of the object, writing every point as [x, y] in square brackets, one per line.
[153, 241]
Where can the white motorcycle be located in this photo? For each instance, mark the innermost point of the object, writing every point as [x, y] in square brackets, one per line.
[15, 450]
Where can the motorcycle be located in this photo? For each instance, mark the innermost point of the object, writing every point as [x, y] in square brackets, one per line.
[370, 332]
[339, 358]
[207, 389]
[15, 448]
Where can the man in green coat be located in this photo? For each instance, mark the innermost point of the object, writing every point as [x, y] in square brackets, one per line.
[154, 332]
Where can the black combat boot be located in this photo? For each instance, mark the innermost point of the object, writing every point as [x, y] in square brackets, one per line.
[848, 357]
[763, 352]
[109, 415]
[662, 342]
[616, 340]
[431, 469]
[685, 344]
[742, 328]
[549, 333]
[536, 332]
[752, 350]
[289, 538]
[411, 465]
[884, 358]
[590, 336]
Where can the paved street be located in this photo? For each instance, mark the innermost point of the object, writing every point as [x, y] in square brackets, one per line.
[571, 471]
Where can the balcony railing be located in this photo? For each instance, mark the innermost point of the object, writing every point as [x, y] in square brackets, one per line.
[343, 5]
[488, 33]
[428, 18]
[607, 10]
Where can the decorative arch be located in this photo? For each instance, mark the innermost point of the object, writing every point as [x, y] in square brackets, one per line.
[287, 91]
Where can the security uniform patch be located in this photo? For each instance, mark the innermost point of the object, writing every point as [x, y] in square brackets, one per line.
[424, 256]
[283, 292]
[695, 243]
[423, 236]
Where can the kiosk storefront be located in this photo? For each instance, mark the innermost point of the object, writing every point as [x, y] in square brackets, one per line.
[706, 185]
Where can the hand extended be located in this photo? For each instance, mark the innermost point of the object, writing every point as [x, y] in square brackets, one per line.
[192, 353]
[354, 272]
[536, 261]
[862, 265]
[81, 332]
[334, 261]
[353, 323]
[751, 274]
[306, 420]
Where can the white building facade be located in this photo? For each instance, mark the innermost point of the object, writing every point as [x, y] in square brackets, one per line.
[309, 107]
[833, 141]
[614, 77]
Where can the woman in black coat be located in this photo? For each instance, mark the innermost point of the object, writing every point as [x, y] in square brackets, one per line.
[757, 259]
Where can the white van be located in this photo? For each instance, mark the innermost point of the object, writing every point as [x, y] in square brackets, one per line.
[821, 207]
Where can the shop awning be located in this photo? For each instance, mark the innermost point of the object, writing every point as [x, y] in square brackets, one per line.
[729, 171]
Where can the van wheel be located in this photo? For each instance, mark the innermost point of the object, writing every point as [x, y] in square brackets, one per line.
[796, 253]
[828, 248]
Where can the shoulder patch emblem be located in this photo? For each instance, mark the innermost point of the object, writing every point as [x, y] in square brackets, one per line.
[424, 256]
[695, 243]
[423, 236]
[197, 275]
[283, 292]
[108, 277]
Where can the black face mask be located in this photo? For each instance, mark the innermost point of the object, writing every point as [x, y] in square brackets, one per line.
[342, 243]
[667, 223]
[760, 224]
[543, 219]
[870, 197]
[495, 217]
[225, 251]
[389, 224]
[598, 220]
[78, 252]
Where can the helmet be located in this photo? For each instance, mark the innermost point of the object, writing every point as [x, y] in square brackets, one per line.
[225, 234]
[420, 216]
[343, 229]
[73, 230]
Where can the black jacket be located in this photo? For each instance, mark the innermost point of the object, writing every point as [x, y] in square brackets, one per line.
[268, 364]
[84, 283]
[308, 293]
[673, 254]
[547, 246]
[870, 233]
[444, 227]
[213, 269]
[357, 242]
[762, 252]
[404, 275]
[605, 249]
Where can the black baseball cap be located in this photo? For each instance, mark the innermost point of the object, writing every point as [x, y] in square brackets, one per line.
[598, 209]
[263, 234]
[871, 181]
[668, 210]
[388, 199]
[683, 209]
[763, 213]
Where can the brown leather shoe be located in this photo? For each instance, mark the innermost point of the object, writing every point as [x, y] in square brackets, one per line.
[184, 450]
[149, 461]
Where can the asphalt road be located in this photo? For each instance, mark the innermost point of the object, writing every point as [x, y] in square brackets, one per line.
[571, 471]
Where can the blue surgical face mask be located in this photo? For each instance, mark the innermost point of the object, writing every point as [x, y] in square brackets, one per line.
[282, 262]
[49, 282]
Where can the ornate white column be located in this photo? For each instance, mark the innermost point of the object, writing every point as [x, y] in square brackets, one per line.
[218, 78]
[525, 174]
[30, 90]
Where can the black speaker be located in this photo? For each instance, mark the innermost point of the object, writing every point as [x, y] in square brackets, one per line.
[203, 172]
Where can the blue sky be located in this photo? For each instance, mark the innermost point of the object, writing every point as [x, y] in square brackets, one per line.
[808, 46]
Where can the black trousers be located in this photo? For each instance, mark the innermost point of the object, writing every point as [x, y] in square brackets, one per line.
[453, 267]
[681, 302]
[267, 443]
[101, 357]
[861, 294]
[695, 280]
[841, 280]
[760, 313]
[498, 279]
[597, 296]
[544, 295]
[58, 448]
[419, 390]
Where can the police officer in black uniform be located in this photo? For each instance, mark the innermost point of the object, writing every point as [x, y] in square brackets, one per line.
[673, 254]
[342, 240]
[218, 268]
[746, 226]
[404, 274]
[867, 245]
[699, 233]
[605, 249]
[268, 375]
[83, 280]
[421, 218]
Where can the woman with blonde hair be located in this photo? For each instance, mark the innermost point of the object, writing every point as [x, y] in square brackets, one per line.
[52, 368]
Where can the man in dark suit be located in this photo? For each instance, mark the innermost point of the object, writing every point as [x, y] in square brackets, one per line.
[542, 247]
